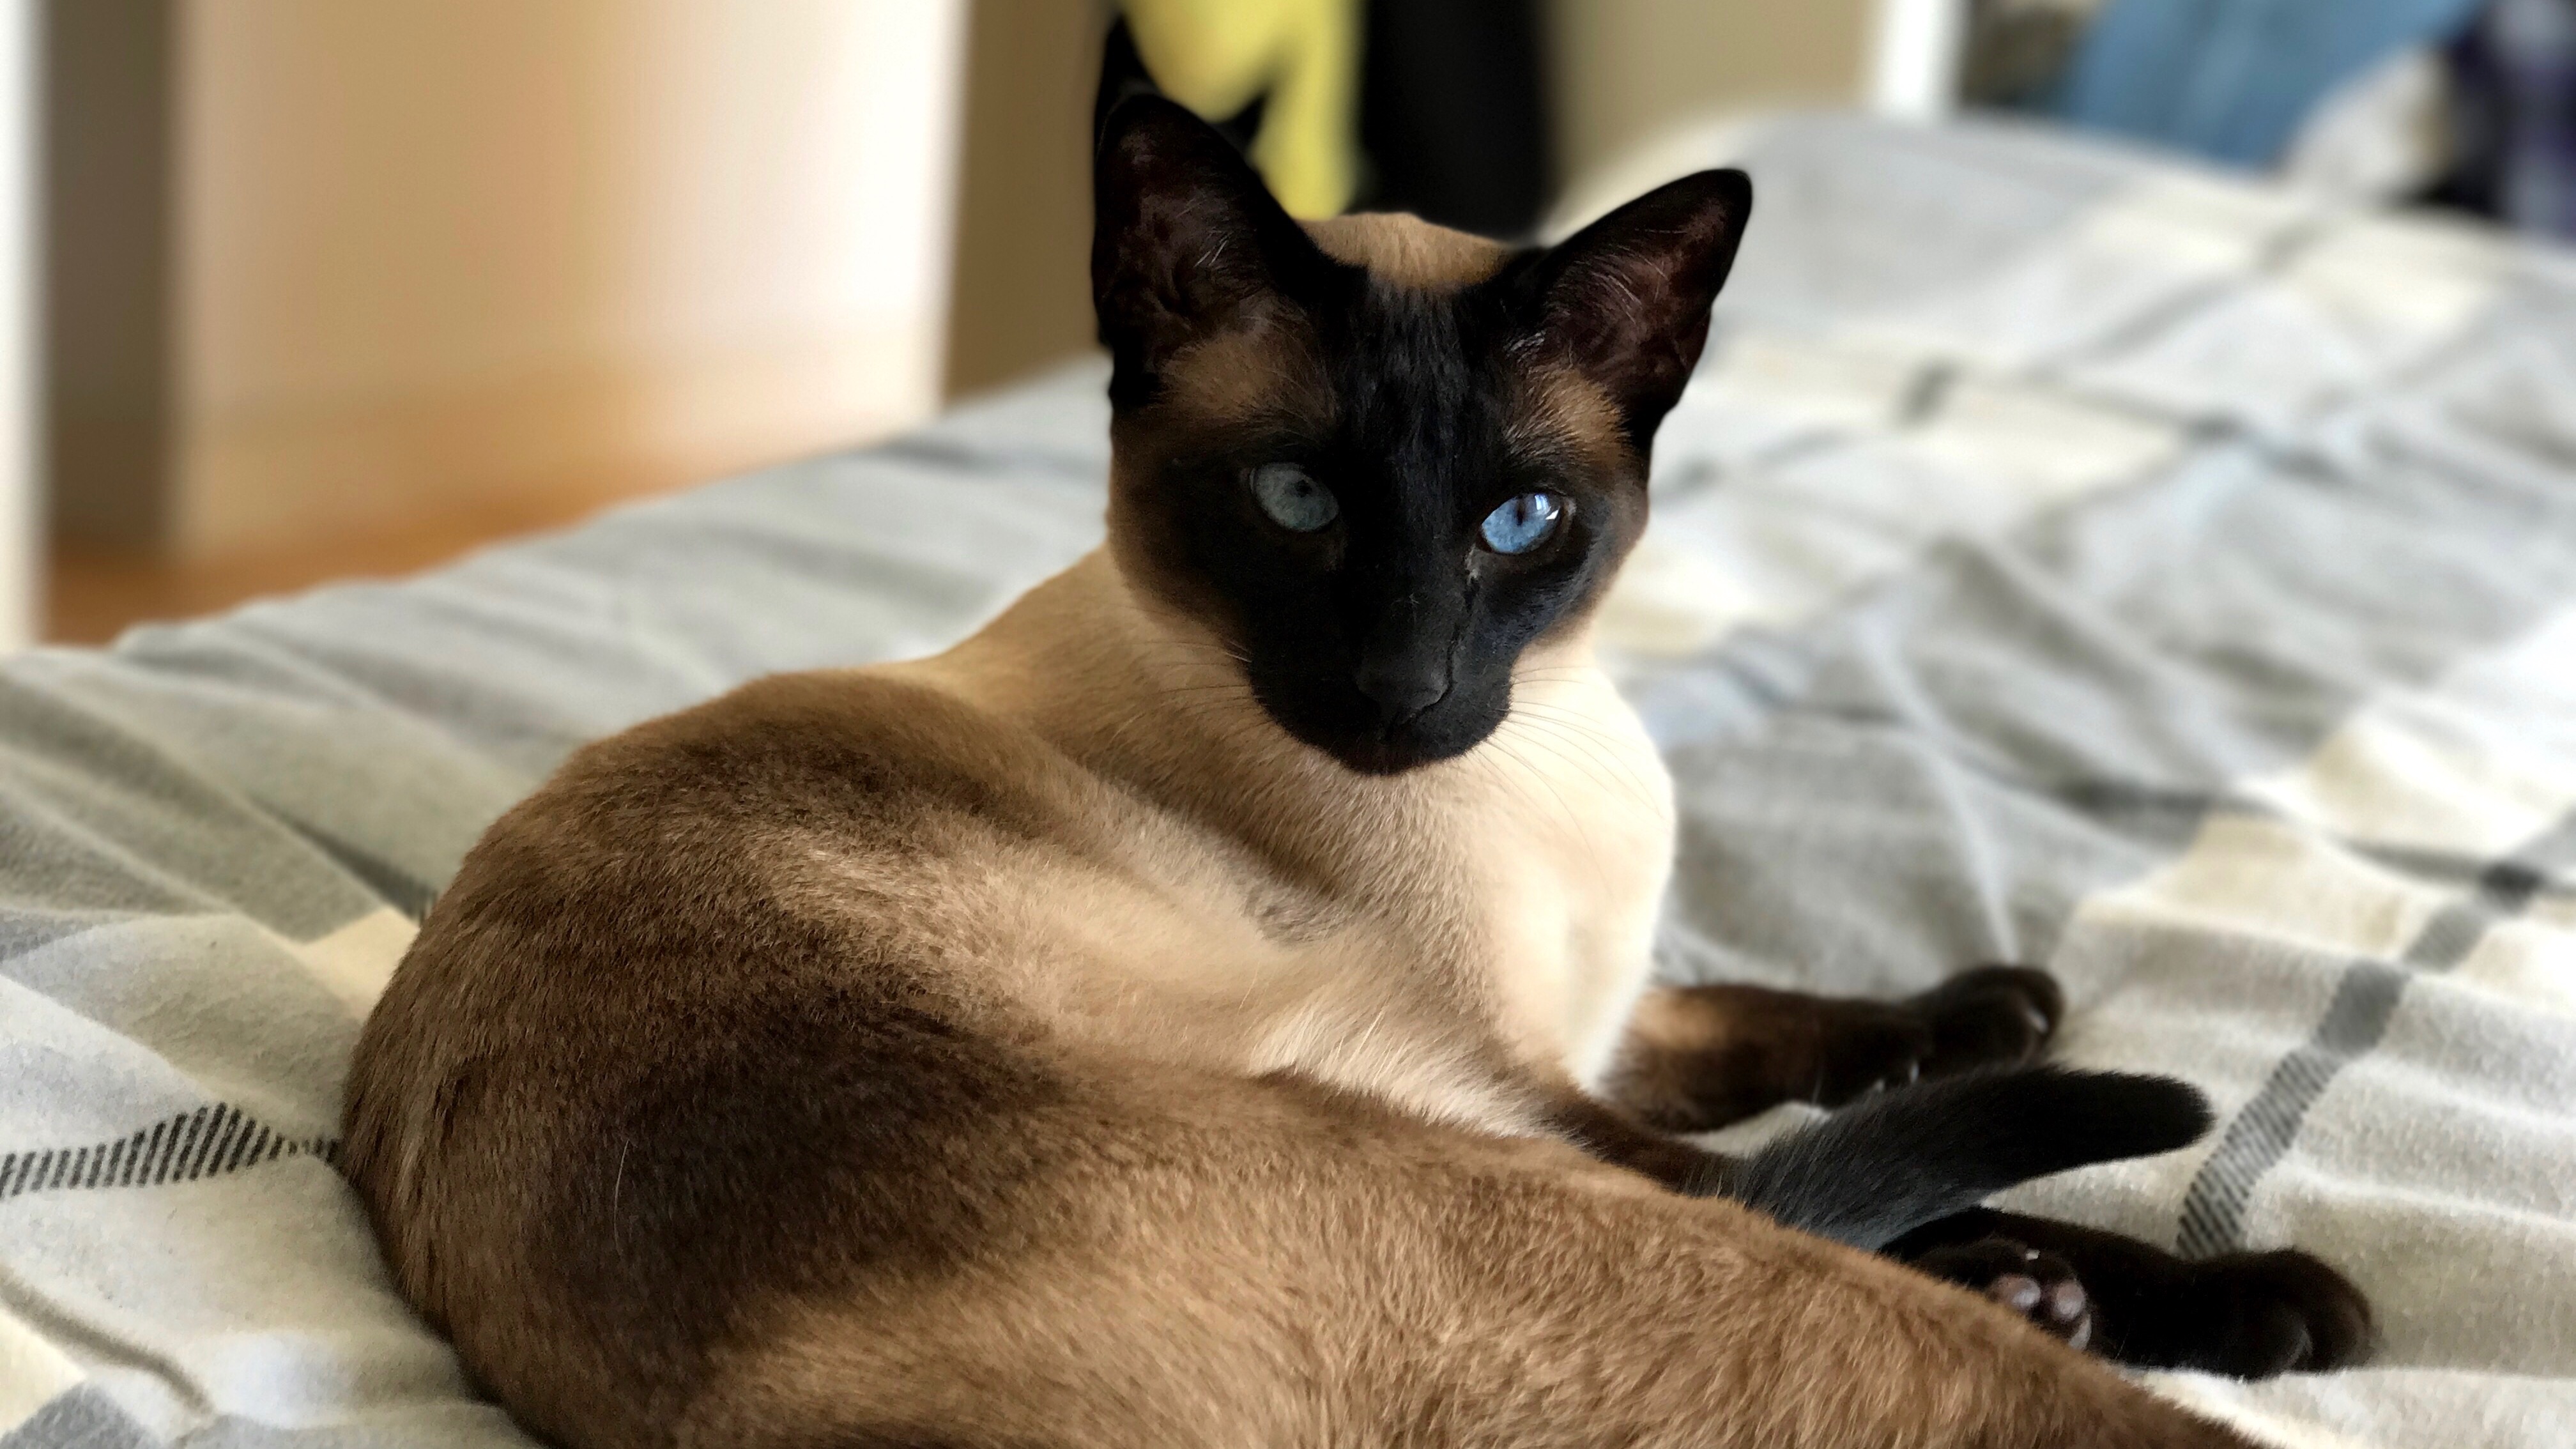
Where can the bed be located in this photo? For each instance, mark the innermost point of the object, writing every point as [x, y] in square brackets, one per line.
[2063, 555]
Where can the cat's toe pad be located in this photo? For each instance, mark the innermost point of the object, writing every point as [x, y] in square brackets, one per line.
[2038, 1287]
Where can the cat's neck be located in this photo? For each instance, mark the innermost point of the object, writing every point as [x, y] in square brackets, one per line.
[1144, 696]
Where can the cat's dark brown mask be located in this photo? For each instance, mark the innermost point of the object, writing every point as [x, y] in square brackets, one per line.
[1377, 458]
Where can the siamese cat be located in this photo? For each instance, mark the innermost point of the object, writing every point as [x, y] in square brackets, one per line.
[1211, 1005]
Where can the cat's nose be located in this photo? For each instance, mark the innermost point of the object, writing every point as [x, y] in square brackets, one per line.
[1403, 687]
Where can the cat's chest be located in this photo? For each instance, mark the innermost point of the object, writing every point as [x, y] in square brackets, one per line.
[1577, 856]
[1518, 893]
[1440, 939]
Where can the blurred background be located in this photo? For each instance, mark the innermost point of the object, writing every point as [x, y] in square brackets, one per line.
[293, 290]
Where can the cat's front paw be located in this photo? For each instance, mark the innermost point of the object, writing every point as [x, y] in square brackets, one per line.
[2261, 1314]
[1864, 1047]
[1988, 1016]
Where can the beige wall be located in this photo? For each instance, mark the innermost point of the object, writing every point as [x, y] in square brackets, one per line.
[21, 425]
[430, 255]
[436, 253]
[1624, 68]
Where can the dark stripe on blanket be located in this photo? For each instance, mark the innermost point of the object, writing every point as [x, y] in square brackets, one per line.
[2529, 869]
[2213, 1210]
[953, 455]
[393, 885]
[209, 1142]
[82, 1417]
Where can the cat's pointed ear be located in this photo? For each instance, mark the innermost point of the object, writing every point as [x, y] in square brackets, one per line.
[1626, 299]
[1185, 238]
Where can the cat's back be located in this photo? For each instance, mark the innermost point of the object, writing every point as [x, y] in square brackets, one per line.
[710, 850]
[809, 834]
[708, 955]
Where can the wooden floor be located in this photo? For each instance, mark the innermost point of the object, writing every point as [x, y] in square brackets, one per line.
[94, 594]
[455, 473]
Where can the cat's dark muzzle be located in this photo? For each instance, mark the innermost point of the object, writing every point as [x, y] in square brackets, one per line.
[1361, 733]
[1393, 753]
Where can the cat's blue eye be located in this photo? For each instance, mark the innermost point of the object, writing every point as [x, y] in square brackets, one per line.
[1294, 500]
[1524, 523]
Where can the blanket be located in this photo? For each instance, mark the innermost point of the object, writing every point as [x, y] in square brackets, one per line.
[2062, 555]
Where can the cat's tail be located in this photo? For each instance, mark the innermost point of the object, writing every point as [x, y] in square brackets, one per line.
[1877, 1170]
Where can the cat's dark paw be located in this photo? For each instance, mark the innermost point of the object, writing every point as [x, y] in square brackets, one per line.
[1700, 1057]
[1988, 1016]
[1864, 1047]
[2262, 1314]
[2040, 1287]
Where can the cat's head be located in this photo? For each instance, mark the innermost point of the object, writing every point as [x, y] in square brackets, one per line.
[1378, 459]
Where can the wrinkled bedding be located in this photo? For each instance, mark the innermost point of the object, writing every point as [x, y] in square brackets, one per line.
[2062, 556]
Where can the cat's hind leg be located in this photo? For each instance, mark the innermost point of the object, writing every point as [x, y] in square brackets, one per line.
[2041, 1287]
[2246, 1315]
[1216, 1261]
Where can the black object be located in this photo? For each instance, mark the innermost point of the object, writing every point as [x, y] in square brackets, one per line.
[2513, 116]
[1454, 113]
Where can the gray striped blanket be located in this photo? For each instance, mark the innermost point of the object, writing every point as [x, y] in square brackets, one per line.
[2063, 556]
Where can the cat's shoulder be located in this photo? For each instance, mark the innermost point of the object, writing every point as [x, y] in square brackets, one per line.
[877, 744]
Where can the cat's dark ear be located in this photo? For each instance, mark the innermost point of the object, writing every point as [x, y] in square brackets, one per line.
[1185, 239]
[1122, 74]
[1626, 299]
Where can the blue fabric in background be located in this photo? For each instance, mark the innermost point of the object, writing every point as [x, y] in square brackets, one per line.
[2232, 79]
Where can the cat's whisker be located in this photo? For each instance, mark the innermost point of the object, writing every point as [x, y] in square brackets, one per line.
[1608, 748]
[1577, 751]
[1573, 818]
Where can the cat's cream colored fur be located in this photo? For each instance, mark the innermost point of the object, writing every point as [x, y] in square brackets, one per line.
[1034, 1045]
[1503, 901]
